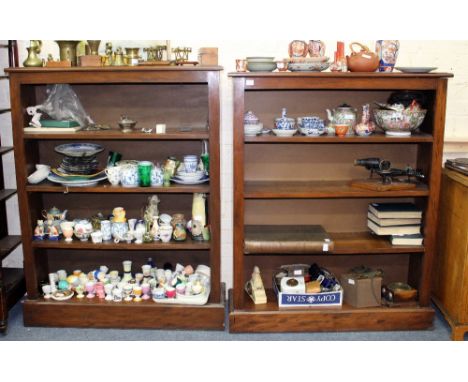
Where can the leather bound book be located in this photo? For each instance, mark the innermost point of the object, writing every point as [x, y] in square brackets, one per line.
[287, 239]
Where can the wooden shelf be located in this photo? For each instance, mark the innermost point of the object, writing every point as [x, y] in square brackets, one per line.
[322, 189]
[187, 245]
[8, 244]
[340, 75]
[270, 318]
[96, 313]
[5, 194]
[5, 149]
[106, 188]
[360, 243]
[172, 134]
[375, 138]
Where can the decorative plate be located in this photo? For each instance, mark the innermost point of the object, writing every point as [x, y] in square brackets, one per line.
[415, 69]
[79, 149]
[308, 66]
[62, 295]
[190, 182]
[76, 182]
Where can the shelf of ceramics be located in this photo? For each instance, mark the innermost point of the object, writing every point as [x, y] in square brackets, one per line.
[172, 134]
[265, 317]
[362, 243]
[322, 189]
[110, 245]
[99, 313]
[109, 189]
[374, 138]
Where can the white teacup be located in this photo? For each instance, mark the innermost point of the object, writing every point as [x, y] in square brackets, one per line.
[113, 175]
[96, 237]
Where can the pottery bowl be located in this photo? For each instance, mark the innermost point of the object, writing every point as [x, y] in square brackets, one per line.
[253, 130]
[261, 66]
[260, 59]
[395, 121]
[284, 133]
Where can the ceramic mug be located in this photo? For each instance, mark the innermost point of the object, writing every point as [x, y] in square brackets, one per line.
[180, 288]
[156, 176]
[158, 293]
[129, 175]
[119, 230]
[96, 237]
[113, 175]
[190, 163]
[165, 233]
[106, 230]
[170, 292]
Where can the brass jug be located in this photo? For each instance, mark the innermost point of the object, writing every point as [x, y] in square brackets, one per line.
[118, 58]
[33, 59]
[68, 50]
[94, 47]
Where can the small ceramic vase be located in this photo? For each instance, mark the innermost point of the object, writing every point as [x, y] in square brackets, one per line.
[90, 289]
[137, 292]
[47, 289]
[79, 291]
[127, 290]
[106, 230]
[139, 237]
[155, 228]
[117, 295]
[99, 290]
[145, 288]
[108, 288]
[67, 230]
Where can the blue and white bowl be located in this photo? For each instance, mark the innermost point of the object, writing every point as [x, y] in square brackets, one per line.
[311, 125]
[285, 123]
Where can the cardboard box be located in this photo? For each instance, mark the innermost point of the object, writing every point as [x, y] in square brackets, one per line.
[311, 300]
[361, 292]
[208, 56]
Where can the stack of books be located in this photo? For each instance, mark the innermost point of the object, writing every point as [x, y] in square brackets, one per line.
[400, 221]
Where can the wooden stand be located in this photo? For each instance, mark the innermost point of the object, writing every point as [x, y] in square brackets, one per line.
[377, 185]
[451, 272]
[307, 180]
[184, 97]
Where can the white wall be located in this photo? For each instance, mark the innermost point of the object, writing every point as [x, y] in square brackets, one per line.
[449, 56]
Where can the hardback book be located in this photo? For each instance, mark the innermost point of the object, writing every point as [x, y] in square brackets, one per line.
[407, 239]
[395, 210]
[286, 239]
[392, 222]
[395, 230]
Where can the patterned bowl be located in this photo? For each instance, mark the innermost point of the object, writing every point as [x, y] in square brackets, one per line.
[399, 123]
[284, 133]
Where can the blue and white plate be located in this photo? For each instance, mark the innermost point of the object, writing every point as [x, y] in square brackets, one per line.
[79, 149]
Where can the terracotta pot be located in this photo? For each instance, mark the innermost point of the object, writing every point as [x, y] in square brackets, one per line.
[362, 61]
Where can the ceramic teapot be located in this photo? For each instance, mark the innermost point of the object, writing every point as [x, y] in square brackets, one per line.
[363, 60]
[54, 214]
[342, 115]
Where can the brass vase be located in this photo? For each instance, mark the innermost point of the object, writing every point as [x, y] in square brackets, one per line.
[33, 59]
[94, 47]
[68, 50]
